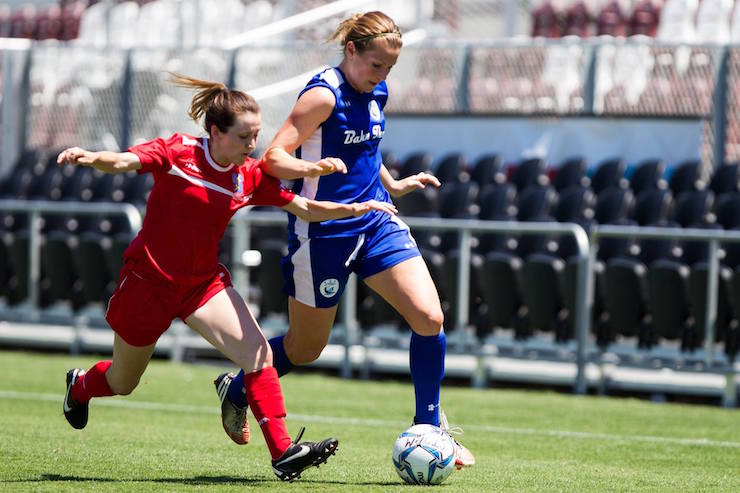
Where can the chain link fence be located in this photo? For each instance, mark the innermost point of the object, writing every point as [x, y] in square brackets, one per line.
[112, 98]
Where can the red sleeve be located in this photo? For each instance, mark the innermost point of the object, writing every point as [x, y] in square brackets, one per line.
[155, 155]
[268, 190]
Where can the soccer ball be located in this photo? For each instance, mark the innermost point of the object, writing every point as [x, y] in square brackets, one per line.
[424, 454]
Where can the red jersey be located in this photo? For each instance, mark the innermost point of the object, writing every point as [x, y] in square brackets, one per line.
[191, 204]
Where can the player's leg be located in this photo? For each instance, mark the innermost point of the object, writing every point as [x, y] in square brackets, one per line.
[118, 376]
[409, 288]
[227, 323]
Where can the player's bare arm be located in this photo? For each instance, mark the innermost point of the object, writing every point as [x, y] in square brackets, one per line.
[397, 188]
[105, 161]
[310, 111]
[316, 211]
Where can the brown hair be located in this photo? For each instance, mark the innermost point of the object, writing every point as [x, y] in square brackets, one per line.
[218, 103]
[363, 29]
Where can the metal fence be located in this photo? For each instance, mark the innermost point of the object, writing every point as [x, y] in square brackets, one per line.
[71, 95]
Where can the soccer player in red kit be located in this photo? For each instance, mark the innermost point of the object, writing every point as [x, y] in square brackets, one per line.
[171, 268]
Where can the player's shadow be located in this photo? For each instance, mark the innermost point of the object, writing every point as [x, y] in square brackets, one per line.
[198, 480]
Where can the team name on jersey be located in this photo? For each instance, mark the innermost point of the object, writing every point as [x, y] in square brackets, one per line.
[352, 137]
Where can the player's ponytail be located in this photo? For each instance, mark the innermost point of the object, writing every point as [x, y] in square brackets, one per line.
[364, 29]
[219, 104]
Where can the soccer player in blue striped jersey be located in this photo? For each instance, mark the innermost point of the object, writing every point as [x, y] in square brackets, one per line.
[329, 145]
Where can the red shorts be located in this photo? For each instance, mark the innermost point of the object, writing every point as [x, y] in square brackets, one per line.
[142, 307]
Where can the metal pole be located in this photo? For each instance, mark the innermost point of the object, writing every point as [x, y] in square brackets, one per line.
[710, 317]
[240, 244]
[34, 259]
[463, 281]
[584, 302]
[349, 318]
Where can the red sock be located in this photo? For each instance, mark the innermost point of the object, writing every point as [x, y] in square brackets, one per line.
[265, 398]
[92, 384]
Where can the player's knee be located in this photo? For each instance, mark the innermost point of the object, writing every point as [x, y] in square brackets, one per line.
[304, 355]
[430, 322]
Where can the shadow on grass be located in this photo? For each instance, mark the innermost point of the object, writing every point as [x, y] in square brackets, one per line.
[197, 480]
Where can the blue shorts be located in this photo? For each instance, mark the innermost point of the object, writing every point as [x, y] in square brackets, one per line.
[316, 269]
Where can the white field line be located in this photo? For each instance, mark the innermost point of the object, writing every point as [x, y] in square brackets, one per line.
[478, 428]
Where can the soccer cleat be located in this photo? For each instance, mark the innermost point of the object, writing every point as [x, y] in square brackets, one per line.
[233, 417]
[463, 456]
[75, 413]
[301, 456]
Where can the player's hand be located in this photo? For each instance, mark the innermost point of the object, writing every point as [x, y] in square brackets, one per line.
[373, 205]
[327, 166]
[71, 155]
[414, 182]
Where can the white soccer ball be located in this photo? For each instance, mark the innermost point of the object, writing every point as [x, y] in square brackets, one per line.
[424, 454]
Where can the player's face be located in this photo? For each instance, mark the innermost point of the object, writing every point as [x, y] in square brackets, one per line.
[239, 141]
[368, 68]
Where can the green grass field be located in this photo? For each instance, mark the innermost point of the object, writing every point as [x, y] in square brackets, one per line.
[167, 436]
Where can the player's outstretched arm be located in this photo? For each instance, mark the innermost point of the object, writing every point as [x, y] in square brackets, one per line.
[105, 161]
[317, 211]
[310, 111]
[403, 186]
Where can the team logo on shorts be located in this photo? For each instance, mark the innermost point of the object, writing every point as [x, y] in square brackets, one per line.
[374, 110]
[329, 288]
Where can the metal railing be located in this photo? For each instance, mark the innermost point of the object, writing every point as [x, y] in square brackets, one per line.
[35, 208]
[465, 227]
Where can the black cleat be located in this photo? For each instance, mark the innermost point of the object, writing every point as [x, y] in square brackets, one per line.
[75, 413]
[301, 456]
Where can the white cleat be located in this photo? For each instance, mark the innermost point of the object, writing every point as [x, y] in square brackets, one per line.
[463, 456]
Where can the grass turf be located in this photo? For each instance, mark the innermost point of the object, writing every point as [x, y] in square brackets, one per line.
[167, 436]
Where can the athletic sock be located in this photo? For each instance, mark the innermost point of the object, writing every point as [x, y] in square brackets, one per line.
[427, 362]
[266, 401]
[280, 362]
[92, 383]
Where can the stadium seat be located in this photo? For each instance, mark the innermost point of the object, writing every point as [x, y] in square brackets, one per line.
[58, 265]
[451, 167]
[693, 251]
[270, 278]
[476, 316]
[543, 295]
[579, 19]
[613, 205]
[547, 20]
[16, 246]
[609, 173]
[529, 172]
[652, 249]
[693, 208]
[570, 172]
[574, 203]
[90, 263]
[488, 169]
[49, 22]
[648, 174]
[686, 177]
[79, 185]
[612, 19]
[110, 187]
[725, 179]
[645, 18]
[668, 298]
[496, 203]
[677, 21]
[698, 302]
[713, 21]
[23, 22]
[727, 210]
[625, 300]
[652, 206]
[138, 188]
[502, 292]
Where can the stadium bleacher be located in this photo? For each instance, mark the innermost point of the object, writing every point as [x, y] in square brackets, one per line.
[644, 59]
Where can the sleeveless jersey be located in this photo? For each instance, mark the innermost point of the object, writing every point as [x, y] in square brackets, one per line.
[352, 133]
[191, 204]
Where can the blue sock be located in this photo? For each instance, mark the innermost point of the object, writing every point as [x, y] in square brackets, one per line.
[427, 361]
[279, 360]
